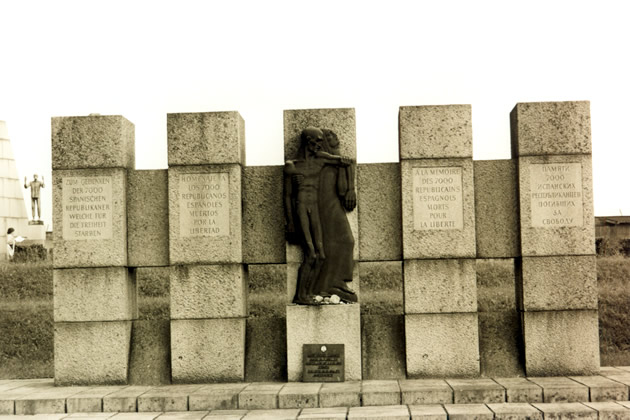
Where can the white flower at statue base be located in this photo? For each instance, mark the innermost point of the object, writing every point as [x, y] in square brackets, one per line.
[318, 298]
[335, 299]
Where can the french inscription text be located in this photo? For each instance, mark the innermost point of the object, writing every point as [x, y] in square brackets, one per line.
[437, 198]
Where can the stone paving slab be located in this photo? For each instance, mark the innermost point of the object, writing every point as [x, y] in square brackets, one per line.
[227, 414]
[610, 410]
[468, 412]
[610, 370]
[603, 389]
[561, 389]
[520, 390]
[136, 416]
[380, 393]
[280, 414]
[216, 397]
[90, 400]
[342, 394]
[260, 396]
[166, 398]
[425, 391]
[427, 412]
[329, 413]
[472, 391]
[124, 400]
[626, 368]
[566, 411]
[90, 416]
[389, 412]
[34, 417]
[47, 400]
[623, 378]
[515, 411]
[299, 395]
[184, 415]
[7, 398]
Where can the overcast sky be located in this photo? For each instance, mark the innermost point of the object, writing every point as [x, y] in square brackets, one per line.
[146, 59]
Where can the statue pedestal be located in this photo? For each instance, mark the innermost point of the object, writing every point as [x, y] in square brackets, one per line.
[324, 324]
[34, 232]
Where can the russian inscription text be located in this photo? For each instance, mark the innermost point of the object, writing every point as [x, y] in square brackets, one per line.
[556, 194]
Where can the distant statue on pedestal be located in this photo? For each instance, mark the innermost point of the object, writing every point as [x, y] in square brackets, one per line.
[35, 186]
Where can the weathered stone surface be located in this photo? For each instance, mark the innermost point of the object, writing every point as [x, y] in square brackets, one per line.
[340, 120]
[609, 410]
[111, 251]
[259, 396]
[561, 389]
[427, 412]
[216, 397]
[150, 359]
[470, 391]
[267, 284]
[266, 347]
[438, 242]
[379, 212]
[440, 286]
[515, 411]
[500, 341]
[186, 247]
[436, 131]
[496, 208]
[393, 412]
[45, 401]
[208, 291]
[147, 218]
[603, 389]
[383, 346]
[263, 215]
[496, 288]
[104, 141]
[610, 370]
[565, 411]
[183, 415]
[286, 414]
[325, 324]
[90, 400]
[341, 394]
[442, 345]
[198, 356]
[329, 413]
[425, 391]
[153, 293]
[380, 392]
[166, 398]
[551, 128]
[381, 287]
[520, 390]
[548, 286]
[92, 352]
[299, 395]
[204, 138]
[561, 343]
[94, 294]
[575, 235]
[124, 400]
[228, 414]
[468, 412]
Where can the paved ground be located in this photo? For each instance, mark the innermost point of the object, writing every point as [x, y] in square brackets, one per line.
[603, 397]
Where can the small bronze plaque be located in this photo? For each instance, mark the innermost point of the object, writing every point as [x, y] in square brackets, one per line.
[323, 362]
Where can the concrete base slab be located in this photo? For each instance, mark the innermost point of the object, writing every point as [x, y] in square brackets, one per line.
[330, 413]
[299, 395]
[471, 391]
[166, 398]
[259, 396]
[90, 400]
[427, 412]
[215, 397]
[386, 412]
[610, 410]
[380, 393]
[286, 414]
[603, 389]
[566, 411]
[468, 412]
[560, 389]
[520, 390]
[425, 391]
[343, 394]
[124, 400]
[515, 411]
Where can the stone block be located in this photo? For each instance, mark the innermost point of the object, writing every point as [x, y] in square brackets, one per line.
[94, 294]
[380, 236]
[610, 410]
[496, 288]
[556, 198]
[259, 396]
[340, 394]
[435, 131]
[393, 412]
[45, 401]
[90, 218]
[215, 397]
[150, 359]
[441, 345]
[90, 400]
[559, 283]
[329, 413]
[383, 346]
[468, 412]
[425, 391]
[153, 293]
[205, 214]
[124, 400]
[496, 209]
[286, 414]
[208, 291]
[227, 414]
[380, 392]
[381, 287]
[472, 391]
[166, 398]
[561, 343]
[427, 412]
[566, 411]
[266, 347]
[603, 389]
[263, 215]
[267, 289]
[340, 120]
[440, 286]
[99, 141]
[204, 138]
[515, 411]
[561, 389]
[197, 355]
[91, 353]
[520, 390]
[147, 218]
[299, 395]
[324, 324]
[438, 209]
[500, 344]
[551, 128]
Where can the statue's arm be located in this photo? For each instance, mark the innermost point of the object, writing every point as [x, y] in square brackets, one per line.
[43, 181]
[350, 201]
[334, 159]
[288, 209]
[25, 186]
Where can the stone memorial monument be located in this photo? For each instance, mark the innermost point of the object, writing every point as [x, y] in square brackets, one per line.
[35, 187]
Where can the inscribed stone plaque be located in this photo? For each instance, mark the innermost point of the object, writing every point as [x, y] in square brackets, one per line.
[556, 194]
[204, 204]
[323, 362]
[437, 198]
[87, 207]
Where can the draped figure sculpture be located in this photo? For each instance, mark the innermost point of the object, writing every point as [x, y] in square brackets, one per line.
[318, 190]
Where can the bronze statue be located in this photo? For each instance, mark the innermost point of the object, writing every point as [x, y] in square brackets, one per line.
[35, 202]
[319, 184]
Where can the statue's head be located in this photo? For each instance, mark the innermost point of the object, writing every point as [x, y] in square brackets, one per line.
[312, 139]
[331, 140]
[35, 177]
